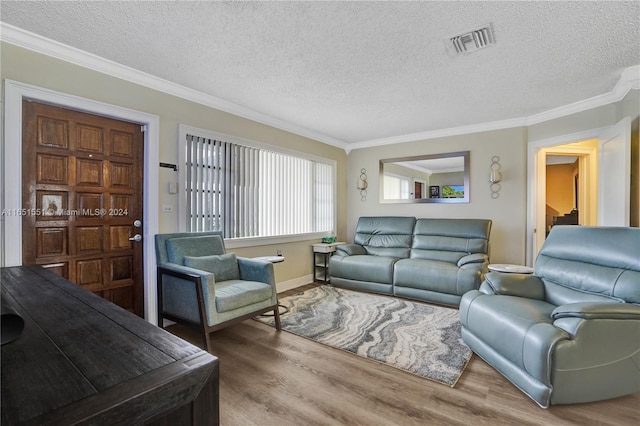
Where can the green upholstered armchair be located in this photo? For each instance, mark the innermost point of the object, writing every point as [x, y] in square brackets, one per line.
[201, 285]
[570, 332]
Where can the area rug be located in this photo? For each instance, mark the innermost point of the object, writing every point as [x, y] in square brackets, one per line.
[418, 338]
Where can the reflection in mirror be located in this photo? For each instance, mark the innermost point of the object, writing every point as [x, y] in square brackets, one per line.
[438, 178]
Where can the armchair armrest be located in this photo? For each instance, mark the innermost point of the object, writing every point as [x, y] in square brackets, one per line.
[183, 272]
[574, 317]
[522, 285]
[472, 258]
[185, 293]
[595, 310]
[350, 250]
[538, 347]
[256, 270]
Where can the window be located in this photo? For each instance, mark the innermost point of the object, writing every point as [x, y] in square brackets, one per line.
[396, 187]
[253, 191]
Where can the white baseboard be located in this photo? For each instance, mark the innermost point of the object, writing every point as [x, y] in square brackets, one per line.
[294, 283]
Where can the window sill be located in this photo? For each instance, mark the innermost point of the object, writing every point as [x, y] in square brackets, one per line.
[265, 241]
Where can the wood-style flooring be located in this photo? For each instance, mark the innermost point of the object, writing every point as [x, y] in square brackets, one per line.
[277, 378]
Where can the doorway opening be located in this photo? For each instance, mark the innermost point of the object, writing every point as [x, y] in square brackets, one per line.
[566, 187]
[571, 184]
[602, 181]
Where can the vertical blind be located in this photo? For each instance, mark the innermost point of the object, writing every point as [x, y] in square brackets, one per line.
[396, 188]
[253, 192]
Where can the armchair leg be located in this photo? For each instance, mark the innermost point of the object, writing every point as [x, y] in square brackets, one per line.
[207, 341]
[276, 316]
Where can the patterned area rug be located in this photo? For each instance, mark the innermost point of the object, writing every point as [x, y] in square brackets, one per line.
[418, 338]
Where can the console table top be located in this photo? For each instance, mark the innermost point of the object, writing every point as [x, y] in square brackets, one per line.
[82, 359]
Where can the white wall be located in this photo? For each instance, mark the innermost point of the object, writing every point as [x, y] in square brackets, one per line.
[507, 212]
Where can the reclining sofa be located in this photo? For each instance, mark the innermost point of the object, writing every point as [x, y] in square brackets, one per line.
[570, 332]
[434, 260]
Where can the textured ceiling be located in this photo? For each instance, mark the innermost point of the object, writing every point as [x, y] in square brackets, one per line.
[359, 71]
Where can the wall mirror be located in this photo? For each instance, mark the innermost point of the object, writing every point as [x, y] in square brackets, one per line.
[437, 178]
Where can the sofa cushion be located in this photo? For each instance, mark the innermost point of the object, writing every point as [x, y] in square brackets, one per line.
[377, 269]
[223, 266]
[389, 236]
[437, 276]
[178, 248]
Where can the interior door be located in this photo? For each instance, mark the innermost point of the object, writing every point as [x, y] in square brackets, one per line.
[418, 190]
[614, 175]
[82, 200]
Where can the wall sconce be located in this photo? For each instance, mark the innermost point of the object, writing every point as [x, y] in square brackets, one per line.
[362, 184]
[495, 176]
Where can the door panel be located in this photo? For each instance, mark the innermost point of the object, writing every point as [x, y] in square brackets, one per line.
[82, 190]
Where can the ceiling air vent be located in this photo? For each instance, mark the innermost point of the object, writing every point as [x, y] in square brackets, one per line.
[472, 40]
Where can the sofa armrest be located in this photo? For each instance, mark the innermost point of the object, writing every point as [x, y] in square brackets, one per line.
[595, 310]
[350, 250]
[522, 285]
[256, 270]
[472, 258]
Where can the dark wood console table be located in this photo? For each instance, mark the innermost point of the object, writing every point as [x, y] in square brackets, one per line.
[83, 360]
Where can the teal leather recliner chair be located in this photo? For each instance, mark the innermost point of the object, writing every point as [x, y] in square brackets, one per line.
[201, 285]
[570, 332]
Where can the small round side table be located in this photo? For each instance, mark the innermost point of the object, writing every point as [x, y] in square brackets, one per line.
[510, 269]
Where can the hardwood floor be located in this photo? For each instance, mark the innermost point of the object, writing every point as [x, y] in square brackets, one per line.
[270, 378]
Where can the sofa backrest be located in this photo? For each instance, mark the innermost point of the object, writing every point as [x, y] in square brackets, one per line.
[448, 240]
[581, 264]
[386, 235]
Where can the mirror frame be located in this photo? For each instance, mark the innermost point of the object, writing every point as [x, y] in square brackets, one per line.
[465, 199]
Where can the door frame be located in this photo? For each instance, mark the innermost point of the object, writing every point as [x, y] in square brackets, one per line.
[14, 93]
[618, 136]
[535, 179]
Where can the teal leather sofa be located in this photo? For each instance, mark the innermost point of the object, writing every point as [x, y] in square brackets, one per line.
[570, 332]
[435, 260]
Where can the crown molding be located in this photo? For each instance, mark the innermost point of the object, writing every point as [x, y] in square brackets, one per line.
[629, 79]
[34, 42]
[441, 133]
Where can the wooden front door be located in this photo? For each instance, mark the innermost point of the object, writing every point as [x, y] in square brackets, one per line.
[82, 180]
